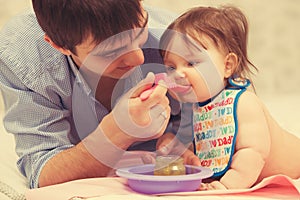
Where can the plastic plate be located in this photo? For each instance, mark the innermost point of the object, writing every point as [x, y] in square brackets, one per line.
[141, 179]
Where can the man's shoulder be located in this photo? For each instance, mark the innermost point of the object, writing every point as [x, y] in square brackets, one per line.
[160, 18]
[22, 46]
[158, 21]
[19, 30]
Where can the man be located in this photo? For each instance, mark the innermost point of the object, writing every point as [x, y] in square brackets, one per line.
[66, 125]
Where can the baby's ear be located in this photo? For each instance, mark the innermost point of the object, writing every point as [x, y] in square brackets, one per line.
[231, 62]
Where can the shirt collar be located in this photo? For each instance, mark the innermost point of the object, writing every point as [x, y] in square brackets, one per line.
[78, 77]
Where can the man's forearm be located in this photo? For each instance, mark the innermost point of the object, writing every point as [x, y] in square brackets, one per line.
[71, 164]
[92, 157]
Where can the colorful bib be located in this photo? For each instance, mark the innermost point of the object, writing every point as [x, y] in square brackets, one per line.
[215, 128]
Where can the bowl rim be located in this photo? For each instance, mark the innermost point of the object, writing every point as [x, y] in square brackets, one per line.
[126, 173]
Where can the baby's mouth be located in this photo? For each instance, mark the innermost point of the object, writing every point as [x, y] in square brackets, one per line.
[179, 88]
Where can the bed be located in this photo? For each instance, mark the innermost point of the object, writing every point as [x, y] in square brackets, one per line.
[13, 185]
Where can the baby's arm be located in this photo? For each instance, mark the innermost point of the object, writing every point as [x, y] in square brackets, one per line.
[252, 144]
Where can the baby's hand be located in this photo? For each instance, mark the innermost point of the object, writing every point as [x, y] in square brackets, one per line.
[170, 144]
[215, 185]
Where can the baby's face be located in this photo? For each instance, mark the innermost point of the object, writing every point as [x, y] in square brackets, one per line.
[201, 69]
[183, 73]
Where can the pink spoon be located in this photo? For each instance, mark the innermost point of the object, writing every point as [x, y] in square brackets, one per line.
[170, 84]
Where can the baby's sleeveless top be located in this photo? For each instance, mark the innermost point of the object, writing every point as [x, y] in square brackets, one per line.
[215, 128]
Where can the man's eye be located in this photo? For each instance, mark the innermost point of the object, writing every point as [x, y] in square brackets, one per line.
[110, 55]
[105, 55]
[193, 63]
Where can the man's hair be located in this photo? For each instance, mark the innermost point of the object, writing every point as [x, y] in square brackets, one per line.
[69, 22]
[226, 26]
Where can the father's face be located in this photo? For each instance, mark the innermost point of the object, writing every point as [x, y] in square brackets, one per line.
[115, 57]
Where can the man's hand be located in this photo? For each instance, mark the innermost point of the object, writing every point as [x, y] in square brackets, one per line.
[143, 120]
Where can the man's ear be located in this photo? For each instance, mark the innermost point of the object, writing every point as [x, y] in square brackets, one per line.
[55, 46]
[231, 62]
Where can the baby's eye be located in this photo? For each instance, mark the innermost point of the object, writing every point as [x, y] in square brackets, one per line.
[170, 69]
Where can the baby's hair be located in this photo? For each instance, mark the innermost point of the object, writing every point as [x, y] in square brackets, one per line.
[226, 26]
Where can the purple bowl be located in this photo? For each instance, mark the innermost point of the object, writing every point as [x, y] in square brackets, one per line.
[141, 179]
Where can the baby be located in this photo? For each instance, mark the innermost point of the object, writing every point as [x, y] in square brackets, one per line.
[205, 50]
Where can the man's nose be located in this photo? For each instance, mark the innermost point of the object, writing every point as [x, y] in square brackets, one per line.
[134, 58]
